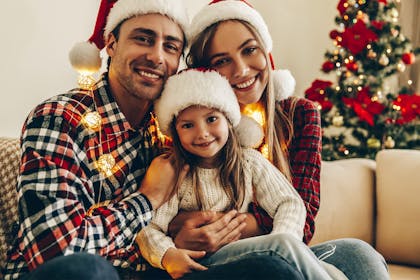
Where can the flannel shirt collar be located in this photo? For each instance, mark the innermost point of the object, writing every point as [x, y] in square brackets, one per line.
[114, 121]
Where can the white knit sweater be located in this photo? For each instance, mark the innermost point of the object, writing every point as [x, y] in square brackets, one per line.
[273, 192]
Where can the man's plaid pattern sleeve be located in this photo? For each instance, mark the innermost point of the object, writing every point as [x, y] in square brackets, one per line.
[59, 182]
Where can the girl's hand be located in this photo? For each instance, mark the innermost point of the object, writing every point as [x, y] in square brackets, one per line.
[178, 262]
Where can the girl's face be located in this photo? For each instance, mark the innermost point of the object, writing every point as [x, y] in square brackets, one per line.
[236, 54]
[203, 132]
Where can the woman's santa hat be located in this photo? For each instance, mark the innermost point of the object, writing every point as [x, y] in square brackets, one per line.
[204, 87]
[85, 56]
[221, 10]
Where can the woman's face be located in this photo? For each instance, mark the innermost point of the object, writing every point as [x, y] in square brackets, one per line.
[236, 54]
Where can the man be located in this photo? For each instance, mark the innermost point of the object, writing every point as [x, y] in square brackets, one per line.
[83, 186]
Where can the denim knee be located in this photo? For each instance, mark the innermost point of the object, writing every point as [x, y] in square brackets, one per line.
[79, 266]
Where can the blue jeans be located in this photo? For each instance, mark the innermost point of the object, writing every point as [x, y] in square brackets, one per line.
[354, 257]
[284, 246]
[80, 266]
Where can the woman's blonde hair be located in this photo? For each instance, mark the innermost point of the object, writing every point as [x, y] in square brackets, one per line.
[279, 124]
[231, 171]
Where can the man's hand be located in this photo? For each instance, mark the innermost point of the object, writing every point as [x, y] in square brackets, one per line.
[178, 262]
[209, 231]
[160, 179]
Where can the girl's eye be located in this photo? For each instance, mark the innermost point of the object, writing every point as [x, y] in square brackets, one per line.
[211, 119]
[187, 125]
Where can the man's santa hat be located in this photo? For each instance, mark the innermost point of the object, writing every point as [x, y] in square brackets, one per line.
[199, 86]
[221, 10]
[85, 56]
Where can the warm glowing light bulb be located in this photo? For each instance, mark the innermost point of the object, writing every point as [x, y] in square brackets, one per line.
[106, 164]
[85, 81]
[92, 120]
[264, 150]
[255, 111]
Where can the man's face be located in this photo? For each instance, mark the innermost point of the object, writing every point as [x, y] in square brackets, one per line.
[146, 53]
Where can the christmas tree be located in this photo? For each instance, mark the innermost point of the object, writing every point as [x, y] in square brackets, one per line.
[360, 114]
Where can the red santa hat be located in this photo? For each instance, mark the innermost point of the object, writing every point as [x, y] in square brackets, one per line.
[85, 56]
[221, 10]
[208, 88]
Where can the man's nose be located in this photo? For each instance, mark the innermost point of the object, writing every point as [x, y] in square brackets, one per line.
[155, 54]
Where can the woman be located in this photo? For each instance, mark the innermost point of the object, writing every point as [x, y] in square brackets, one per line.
[232, 38]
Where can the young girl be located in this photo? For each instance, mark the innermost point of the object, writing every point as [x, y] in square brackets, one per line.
[232, 37]
[199, 110]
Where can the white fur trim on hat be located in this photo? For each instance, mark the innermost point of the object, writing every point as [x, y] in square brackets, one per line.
[250, 132]
[124, 9]
[85, 57]
[195, 87]
[225, 10]
[283, 83]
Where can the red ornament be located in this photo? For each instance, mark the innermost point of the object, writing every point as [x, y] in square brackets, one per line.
[408, 58]
[327, 66]
[334, 34]
[352, 66]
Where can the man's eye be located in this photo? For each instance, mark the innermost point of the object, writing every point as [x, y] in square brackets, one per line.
[143, 39]
[172, 48]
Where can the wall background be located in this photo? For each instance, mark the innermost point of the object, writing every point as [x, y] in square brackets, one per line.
[37, 35]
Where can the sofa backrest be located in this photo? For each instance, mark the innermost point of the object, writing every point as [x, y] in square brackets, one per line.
[398, 196]
[347, 206]
[9, 168]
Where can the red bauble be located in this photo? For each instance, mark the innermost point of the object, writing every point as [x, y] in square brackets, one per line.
[352, 66]
[408, 58]
[334, 34]
[327, 66]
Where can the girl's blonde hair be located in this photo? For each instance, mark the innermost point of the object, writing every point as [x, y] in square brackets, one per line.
[231, 171]
[279, 124]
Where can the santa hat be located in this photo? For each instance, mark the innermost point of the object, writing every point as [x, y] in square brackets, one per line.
[221, 10]
[85, 56]
[206, 88]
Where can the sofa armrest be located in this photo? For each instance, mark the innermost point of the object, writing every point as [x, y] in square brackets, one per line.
[9, 168]
[347, 200]
[398, 194]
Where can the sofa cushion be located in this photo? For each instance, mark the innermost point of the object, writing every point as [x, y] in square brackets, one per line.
[347, 200]
[9, 167]
[398, 199]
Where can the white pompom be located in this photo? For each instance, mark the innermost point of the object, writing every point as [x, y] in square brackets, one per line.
[250, 132]
[85, 57]
[284, 84]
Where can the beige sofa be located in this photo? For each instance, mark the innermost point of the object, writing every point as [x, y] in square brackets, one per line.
[378, 202]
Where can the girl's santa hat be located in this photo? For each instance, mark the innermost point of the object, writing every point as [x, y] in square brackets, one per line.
[221, 10]
[207, 88]
[85, 56]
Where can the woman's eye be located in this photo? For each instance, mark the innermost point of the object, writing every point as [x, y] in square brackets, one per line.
[219, 62]
[250, 50]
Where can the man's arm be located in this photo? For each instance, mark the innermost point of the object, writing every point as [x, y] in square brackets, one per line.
[55, 193]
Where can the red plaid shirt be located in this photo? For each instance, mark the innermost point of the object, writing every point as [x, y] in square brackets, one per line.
[305, 163]
[59, 182]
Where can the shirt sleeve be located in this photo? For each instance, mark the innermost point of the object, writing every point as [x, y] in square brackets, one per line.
[276, 196]
[54, 192]
[305, 157]
[154, 240]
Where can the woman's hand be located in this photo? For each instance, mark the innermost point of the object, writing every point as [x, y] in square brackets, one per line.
[178, 262]
[159, 182]
[207, 230]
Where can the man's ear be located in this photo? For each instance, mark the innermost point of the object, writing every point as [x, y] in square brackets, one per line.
[111, 44]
